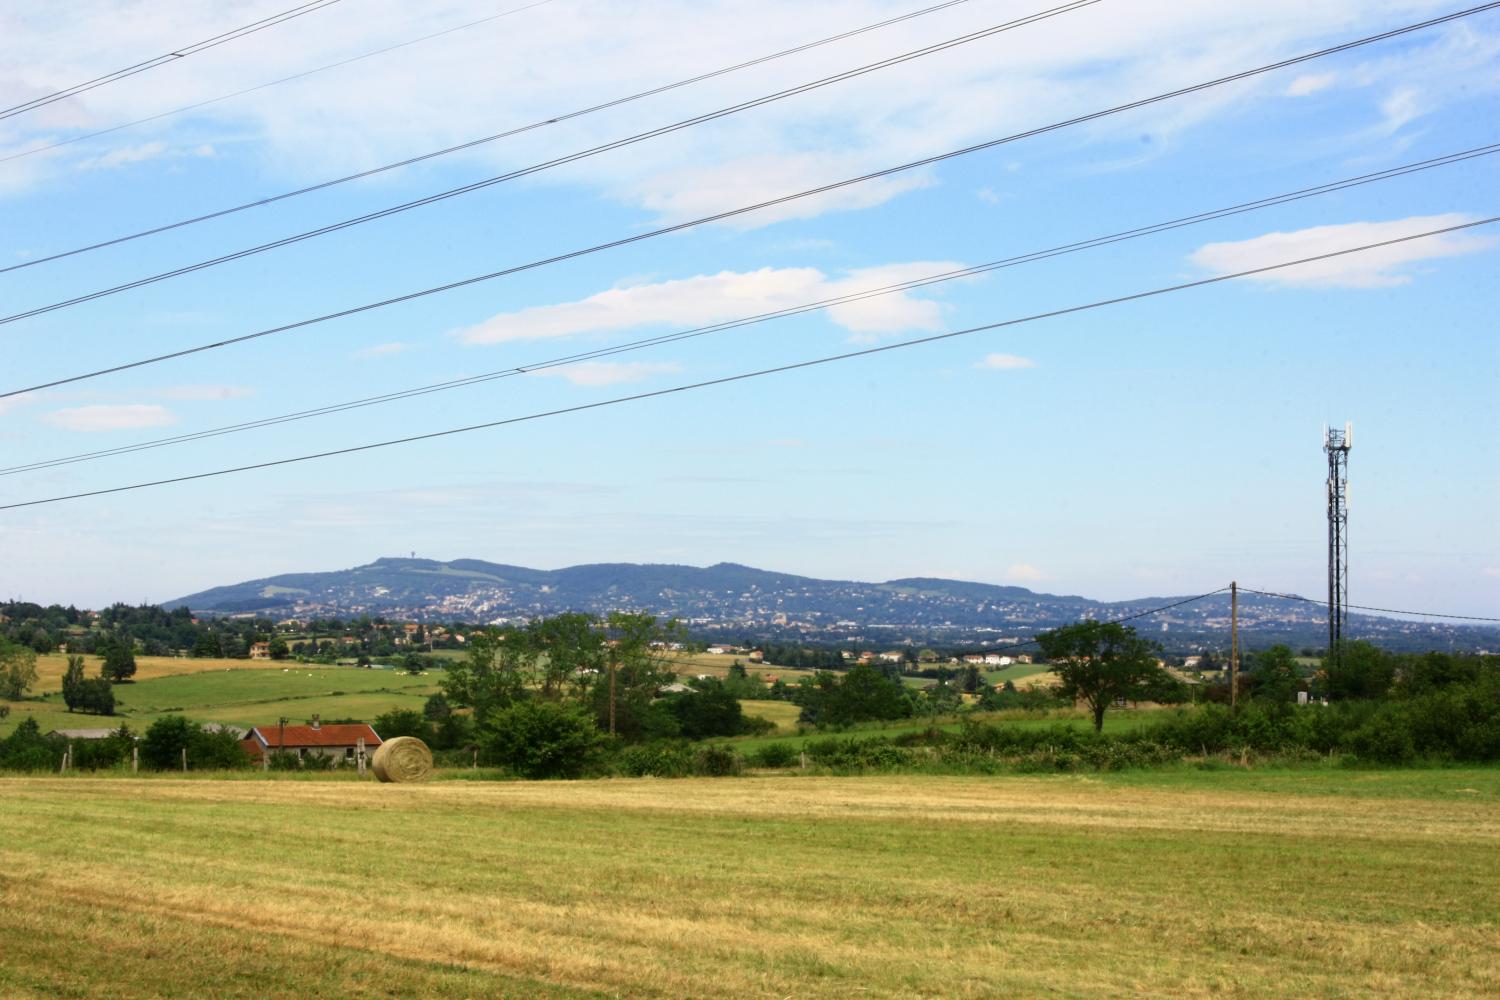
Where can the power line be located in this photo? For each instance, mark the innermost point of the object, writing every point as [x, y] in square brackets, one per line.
[731, 213]
[556, 119]
[168, 57]
[695, 332]
[1366, 607]
[1112, 621]
[555, 162]
[779, 369]
[270, 83]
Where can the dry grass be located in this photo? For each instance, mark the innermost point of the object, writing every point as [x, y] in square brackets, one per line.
[51, 666]
[770, 887]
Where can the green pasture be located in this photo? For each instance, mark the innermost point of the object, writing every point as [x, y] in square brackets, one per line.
[243, 697]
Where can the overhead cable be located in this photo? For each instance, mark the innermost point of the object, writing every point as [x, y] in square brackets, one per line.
[779, 369]
[1111, 621]
[34, 150]
[472, 143]
[1366, 607]
[732, 213]
[695, 332]
[555, 162]
[168, 57]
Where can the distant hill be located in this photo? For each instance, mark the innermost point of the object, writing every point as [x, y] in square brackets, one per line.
[733, 600]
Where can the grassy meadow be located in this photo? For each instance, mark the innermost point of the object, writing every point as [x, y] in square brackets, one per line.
[1166, 883]
[239, 692]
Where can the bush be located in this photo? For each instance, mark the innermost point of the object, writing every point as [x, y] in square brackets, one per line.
[542, 739]
[775, 755]
[877, 754]
[656, 760]
[207, 750]
[717, 762]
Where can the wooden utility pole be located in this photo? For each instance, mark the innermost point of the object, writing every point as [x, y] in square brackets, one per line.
[184, 760]
[612, 667]
[1234, 644]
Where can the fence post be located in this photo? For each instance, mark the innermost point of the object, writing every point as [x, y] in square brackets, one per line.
[184, 760]
[359, 755]
[135, 760]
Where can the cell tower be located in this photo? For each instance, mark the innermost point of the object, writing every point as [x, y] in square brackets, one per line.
[1337, 444]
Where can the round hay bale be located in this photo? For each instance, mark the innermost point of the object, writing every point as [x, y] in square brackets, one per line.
[404, 758]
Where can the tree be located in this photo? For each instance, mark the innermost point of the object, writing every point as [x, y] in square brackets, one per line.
[278, 649]
[712, 710]
[635, 671]
[403, 722]
[542, 739]
[863, 693]
[164, 741]
[94, 695]
[72, 682]
[119, 660]
[17, 669]
[207, 645]
[1275, 676]
[1102, 662]
[211, 749]
[493, 676]
[1364, 671]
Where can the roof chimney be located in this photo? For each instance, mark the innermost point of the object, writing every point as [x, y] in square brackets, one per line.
[315, 724]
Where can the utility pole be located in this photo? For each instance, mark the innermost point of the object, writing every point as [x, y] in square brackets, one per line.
[612, 667]
[1234, 644]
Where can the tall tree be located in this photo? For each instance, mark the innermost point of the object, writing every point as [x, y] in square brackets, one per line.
[1101, 662]
[17, 669]
[119, 660]
[72, 682]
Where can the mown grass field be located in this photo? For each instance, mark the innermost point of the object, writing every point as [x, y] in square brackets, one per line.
[240, 695]
[1179, 883]
[50, 668]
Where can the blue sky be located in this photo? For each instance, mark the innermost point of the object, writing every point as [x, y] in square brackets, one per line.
[1159, 447]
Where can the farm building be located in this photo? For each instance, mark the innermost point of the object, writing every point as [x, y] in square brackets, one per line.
[338, 740]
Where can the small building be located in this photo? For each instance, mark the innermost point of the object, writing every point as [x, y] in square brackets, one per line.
[337, 740]
[260, 651]
[84, 734]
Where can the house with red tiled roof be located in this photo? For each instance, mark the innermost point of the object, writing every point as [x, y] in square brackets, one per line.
[338, 740]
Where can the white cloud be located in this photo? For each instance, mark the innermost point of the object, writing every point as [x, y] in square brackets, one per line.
[1004, 362]
[1378, 268]
[706, 299]
[125, 156]
[1399, 109]
[383, 350]
[1310, 83]
[16, 402]
[433, 94]
[593, 374]
[128, 416]
[1022, 571]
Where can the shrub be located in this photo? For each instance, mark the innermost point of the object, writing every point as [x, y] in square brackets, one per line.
[542, 739]
[775, 755]
[717, 762]
[657, 760]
